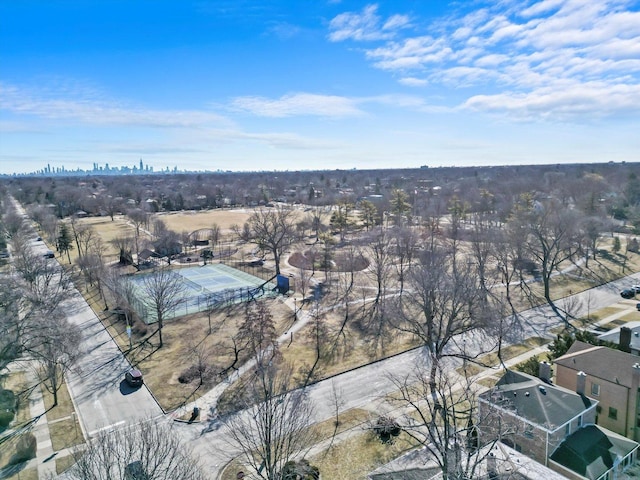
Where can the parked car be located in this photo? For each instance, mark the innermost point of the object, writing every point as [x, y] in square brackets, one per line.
[49, 254]
[627, 293]
[635, 288]
[638, 306]
[133, 377]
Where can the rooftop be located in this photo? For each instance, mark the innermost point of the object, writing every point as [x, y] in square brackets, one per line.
[613, 335]
[507, 464]
[547, 406]
[591, 451]
[600, 362]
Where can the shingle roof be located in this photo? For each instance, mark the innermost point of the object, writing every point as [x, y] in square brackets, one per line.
[591, 451]
[614, 335]
[601, 362]
[548, 406]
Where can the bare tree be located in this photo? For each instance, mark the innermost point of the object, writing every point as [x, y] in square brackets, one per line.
[406, 242]
[444, 303]
[441, 416]
[139, 218]
[164, 292]
[83, 235]
[379, 271]
[29, 304]
[337, 402]
[273, 230]
[124, 294]
[273, 429]
[13, 324]
[214, 236]
[316, 218]
[54, 345]
[125, 246]
[554, 237]
[150, 450]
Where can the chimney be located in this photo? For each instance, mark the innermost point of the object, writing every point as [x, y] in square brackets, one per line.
[581, 383]
[625, 339]
[544, 372]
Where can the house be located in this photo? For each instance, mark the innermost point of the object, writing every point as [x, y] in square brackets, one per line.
[554, 426]
[612, 377]
[628, 337]
[498, 461]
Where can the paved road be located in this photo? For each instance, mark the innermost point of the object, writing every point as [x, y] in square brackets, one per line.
[369, 384]
[101, 397]
[103, 402]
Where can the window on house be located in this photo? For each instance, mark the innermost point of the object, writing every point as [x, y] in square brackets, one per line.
[595, 389]
[579, 421]
[613, 413]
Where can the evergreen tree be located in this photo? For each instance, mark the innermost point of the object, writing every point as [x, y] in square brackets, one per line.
[65, 242]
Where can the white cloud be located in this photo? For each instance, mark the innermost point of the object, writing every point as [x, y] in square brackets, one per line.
[98, 112]
[562, 103]
[515, 53]
[396, 21]
[413, 81]
[298, 104]
[365, 26]
[541, 7]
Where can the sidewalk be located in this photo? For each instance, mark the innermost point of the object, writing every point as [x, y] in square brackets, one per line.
[44, 461]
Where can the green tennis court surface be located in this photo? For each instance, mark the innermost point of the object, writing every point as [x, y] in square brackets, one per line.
[203, 288]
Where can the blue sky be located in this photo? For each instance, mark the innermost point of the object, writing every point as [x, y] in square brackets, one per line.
[317, 84]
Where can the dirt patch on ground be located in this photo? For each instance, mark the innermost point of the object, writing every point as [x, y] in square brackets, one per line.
[340, 261]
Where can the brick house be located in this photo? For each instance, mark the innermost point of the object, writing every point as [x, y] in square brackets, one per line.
[612, 377]
[554, 426]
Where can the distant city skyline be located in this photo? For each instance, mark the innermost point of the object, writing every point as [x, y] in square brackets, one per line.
[282, 85]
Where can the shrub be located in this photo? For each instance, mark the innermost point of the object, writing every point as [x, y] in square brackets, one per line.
[300, 470]
[25, 449]
[6, 417]
[7, 400]
[194, 372]
[189, 375]
[386, 428]
[139, 328]
[530, 366]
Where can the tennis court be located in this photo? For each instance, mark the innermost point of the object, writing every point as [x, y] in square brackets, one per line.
[205, 287]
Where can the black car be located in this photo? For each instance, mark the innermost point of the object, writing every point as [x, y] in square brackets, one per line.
[133, 377]
[627, 293]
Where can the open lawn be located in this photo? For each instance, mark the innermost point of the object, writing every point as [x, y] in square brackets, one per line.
[186, 342]
[189, 221]
[64, 427]
[355, 457]
[350, 349]
[18, 383]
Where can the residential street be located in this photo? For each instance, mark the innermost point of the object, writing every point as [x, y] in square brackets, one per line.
[366, 386]
[96, 384]
[104, 401]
